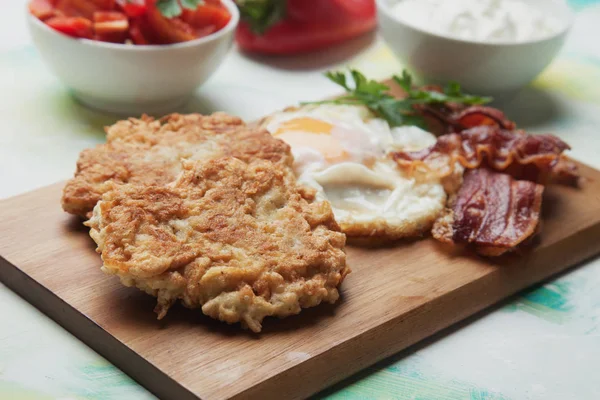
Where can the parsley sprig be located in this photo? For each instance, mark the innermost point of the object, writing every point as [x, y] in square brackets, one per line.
[397, 112]
[173, 8]
[261, 14]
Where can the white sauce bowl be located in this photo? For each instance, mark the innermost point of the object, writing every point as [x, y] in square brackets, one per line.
[132, 79]
[497, 69]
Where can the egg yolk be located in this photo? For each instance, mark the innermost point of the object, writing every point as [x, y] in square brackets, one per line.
[313, 133]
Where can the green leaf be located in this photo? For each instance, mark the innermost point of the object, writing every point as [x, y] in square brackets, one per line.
[169, 8]
[260, 15]
[389, 111]
[397, 112]
[365, 86]
[405, 82]
[191, 4]
[453, 89]
[338, 77]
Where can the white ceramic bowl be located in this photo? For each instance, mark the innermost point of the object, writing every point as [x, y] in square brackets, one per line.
[132, 79]
[497, 69]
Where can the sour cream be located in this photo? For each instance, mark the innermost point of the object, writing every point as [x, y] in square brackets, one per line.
[488, 21]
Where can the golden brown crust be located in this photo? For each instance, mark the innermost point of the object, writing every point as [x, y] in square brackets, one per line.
[148, 152]
[236, 239]
[380, 231]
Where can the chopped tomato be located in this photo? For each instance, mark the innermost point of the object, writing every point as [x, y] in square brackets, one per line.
[73, 26]
[136, 32]
[133, 8]
[42, 9]
[207, 19]
[109, 16]
[137, 21]
[169, 30]
[77, 8]
[104, 4]
[111, 36]
[110, 26]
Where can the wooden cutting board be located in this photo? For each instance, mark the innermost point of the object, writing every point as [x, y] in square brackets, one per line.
[394, 298]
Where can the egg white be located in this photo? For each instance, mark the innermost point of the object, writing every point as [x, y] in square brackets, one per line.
[349, 167]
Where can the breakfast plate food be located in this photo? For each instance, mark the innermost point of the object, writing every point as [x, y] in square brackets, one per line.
[247, 222]
[441, 199]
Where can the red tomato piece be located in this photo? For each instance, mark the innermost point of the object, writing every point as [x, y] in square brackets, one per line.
[136, 33]
[207, 19]
[42, 9]
[108, 16]
[111, 26]
[76, 8]
[133, 8]
[104, 4]
[168, 30]
[73, 26]
[111, 37]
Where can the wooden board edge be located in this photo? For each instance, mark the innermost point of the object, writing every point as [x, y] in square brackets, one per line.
[383, 341]
[86, 330]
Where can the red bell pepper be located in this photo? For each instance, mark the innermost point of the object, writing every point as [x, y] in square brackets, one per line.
[330, 11]
[294, 26]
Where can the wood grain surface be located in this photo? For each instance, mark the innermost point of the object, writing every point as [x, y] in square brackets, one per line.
[394, 297]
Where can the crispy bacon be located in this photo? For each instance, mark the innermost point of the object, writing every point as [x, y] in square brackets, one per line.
[480, 116]
[538, 158]
[454, 118]
[492, 211]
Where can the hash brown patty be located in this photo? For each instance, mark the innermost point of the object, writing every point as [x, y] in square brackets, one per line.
[237, 239]
[147, 151]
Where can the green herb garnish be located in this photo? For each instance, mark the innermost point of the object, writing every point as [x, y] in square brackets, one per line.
[375, 96]
[261, 14]
[173, 8]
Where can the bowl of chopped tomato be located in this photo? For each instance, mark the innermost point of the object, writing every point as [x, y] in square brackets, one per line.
[133, 56]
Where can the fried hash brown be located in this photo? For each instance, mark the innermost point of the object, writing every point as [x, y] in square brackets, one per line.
[239, 240]
[148, 152]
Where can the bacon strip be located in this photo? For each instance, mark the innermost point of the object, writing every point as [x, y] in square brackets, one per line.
[491, 211]
[455, 118]
[538, 158]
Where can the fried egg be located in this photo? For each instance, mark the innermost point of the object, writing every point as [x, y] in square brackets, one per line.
[342, 152]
